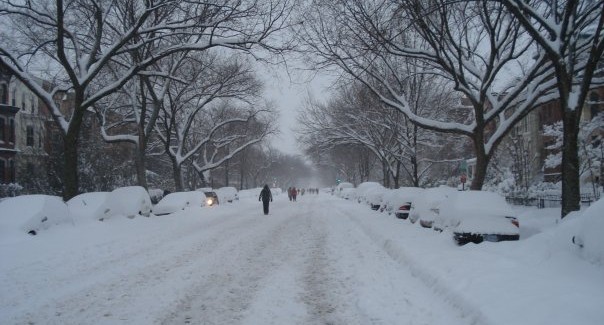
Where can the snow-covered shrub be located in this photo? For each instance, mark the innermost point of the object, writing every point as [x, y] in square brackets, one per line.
[10, 190]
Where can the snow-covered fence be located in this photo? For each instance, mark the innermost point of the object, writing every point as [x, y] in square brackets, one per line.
[549, 200]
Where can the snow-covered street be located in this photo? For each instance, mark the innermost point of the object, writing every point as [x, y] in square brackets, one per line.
[321, 260]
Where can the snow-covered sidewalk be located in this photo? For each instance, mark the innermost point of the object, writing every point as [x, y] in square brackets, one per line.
[320, 260]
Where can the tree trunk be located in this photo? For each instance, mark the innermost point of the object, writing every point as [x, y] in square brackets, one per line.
[385, 174]
[226, 173]
[70, 171]
[177, 174]
[397, 177]
[70, 141]
[571, 194]
[480, 170]
[140, 163]
[139, 159]
[415, 169]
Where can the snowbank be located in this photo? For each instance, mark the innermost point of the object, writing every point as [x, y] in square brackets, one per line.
[590, 236]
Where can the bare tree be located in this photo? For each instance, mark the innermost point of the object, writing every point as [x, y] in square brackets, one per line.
[230, 135]
[571, 38]
[475, 45]
[202, 108]
[81, 40]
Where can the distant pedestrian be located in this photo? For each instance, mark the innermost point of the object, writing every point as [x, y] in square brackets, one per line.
[289, 193]
[266, 196]
[294, 193]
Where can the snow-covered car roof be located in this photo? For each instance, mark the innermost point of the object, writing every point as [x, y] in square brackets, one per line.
[177, 201]
[227, 193]
[425, 206]
[366, 188]
[31, 214]
[477, 212]
[376, 195]
[89, 206]
[129, 201]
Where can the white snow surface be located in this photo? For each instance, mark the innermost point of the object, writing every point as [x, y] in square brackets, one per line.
[89, 206]
[320, 260]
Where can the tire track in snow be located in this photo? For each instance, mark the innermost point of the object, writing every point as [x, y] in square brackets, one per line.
[325, 292]
[466, 310]
[225, 298]
[128, 278]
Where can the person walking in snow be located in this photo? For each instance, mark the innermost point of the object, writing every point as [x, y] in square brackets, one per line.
[266, 196]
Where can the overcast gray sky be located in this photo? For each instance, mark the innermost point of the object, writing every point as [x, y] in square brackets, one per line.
[289, 96]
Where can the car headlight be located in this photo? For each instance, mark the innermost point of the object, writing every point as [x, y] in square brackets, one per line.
[209, 201]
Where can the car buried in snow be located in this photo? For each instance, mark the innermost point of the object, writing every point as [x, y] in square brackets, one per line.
[399, 201]
[477, 216]
[211, 198]
[178, 201]
[426, 207]
[227, 194]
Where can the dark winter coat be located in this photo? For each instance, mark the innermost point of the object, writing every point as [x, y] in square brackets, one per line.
[265, 195]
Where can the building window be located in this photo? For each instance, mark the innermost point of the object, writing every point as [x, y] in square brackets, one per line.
[2, 130]
[4, 94]
[2, 171]
[32, 101]
[14, 97]
[30, 136]
[11, 130]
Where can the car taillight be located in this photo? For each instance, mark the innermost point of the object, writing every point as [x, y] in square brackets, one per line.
[405, 207]
[516, 223]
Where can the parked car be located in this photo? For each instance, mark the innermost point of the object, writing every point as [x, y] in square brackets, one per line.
[477, 216]
[342, 186]
[227, 194]
[89, 206]
[211, 199]
[398, 201]
[426, 207]
[364, 189]
[347, 193]
[29, 214]
[178, 201]
[130, 201]
[375, 197]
